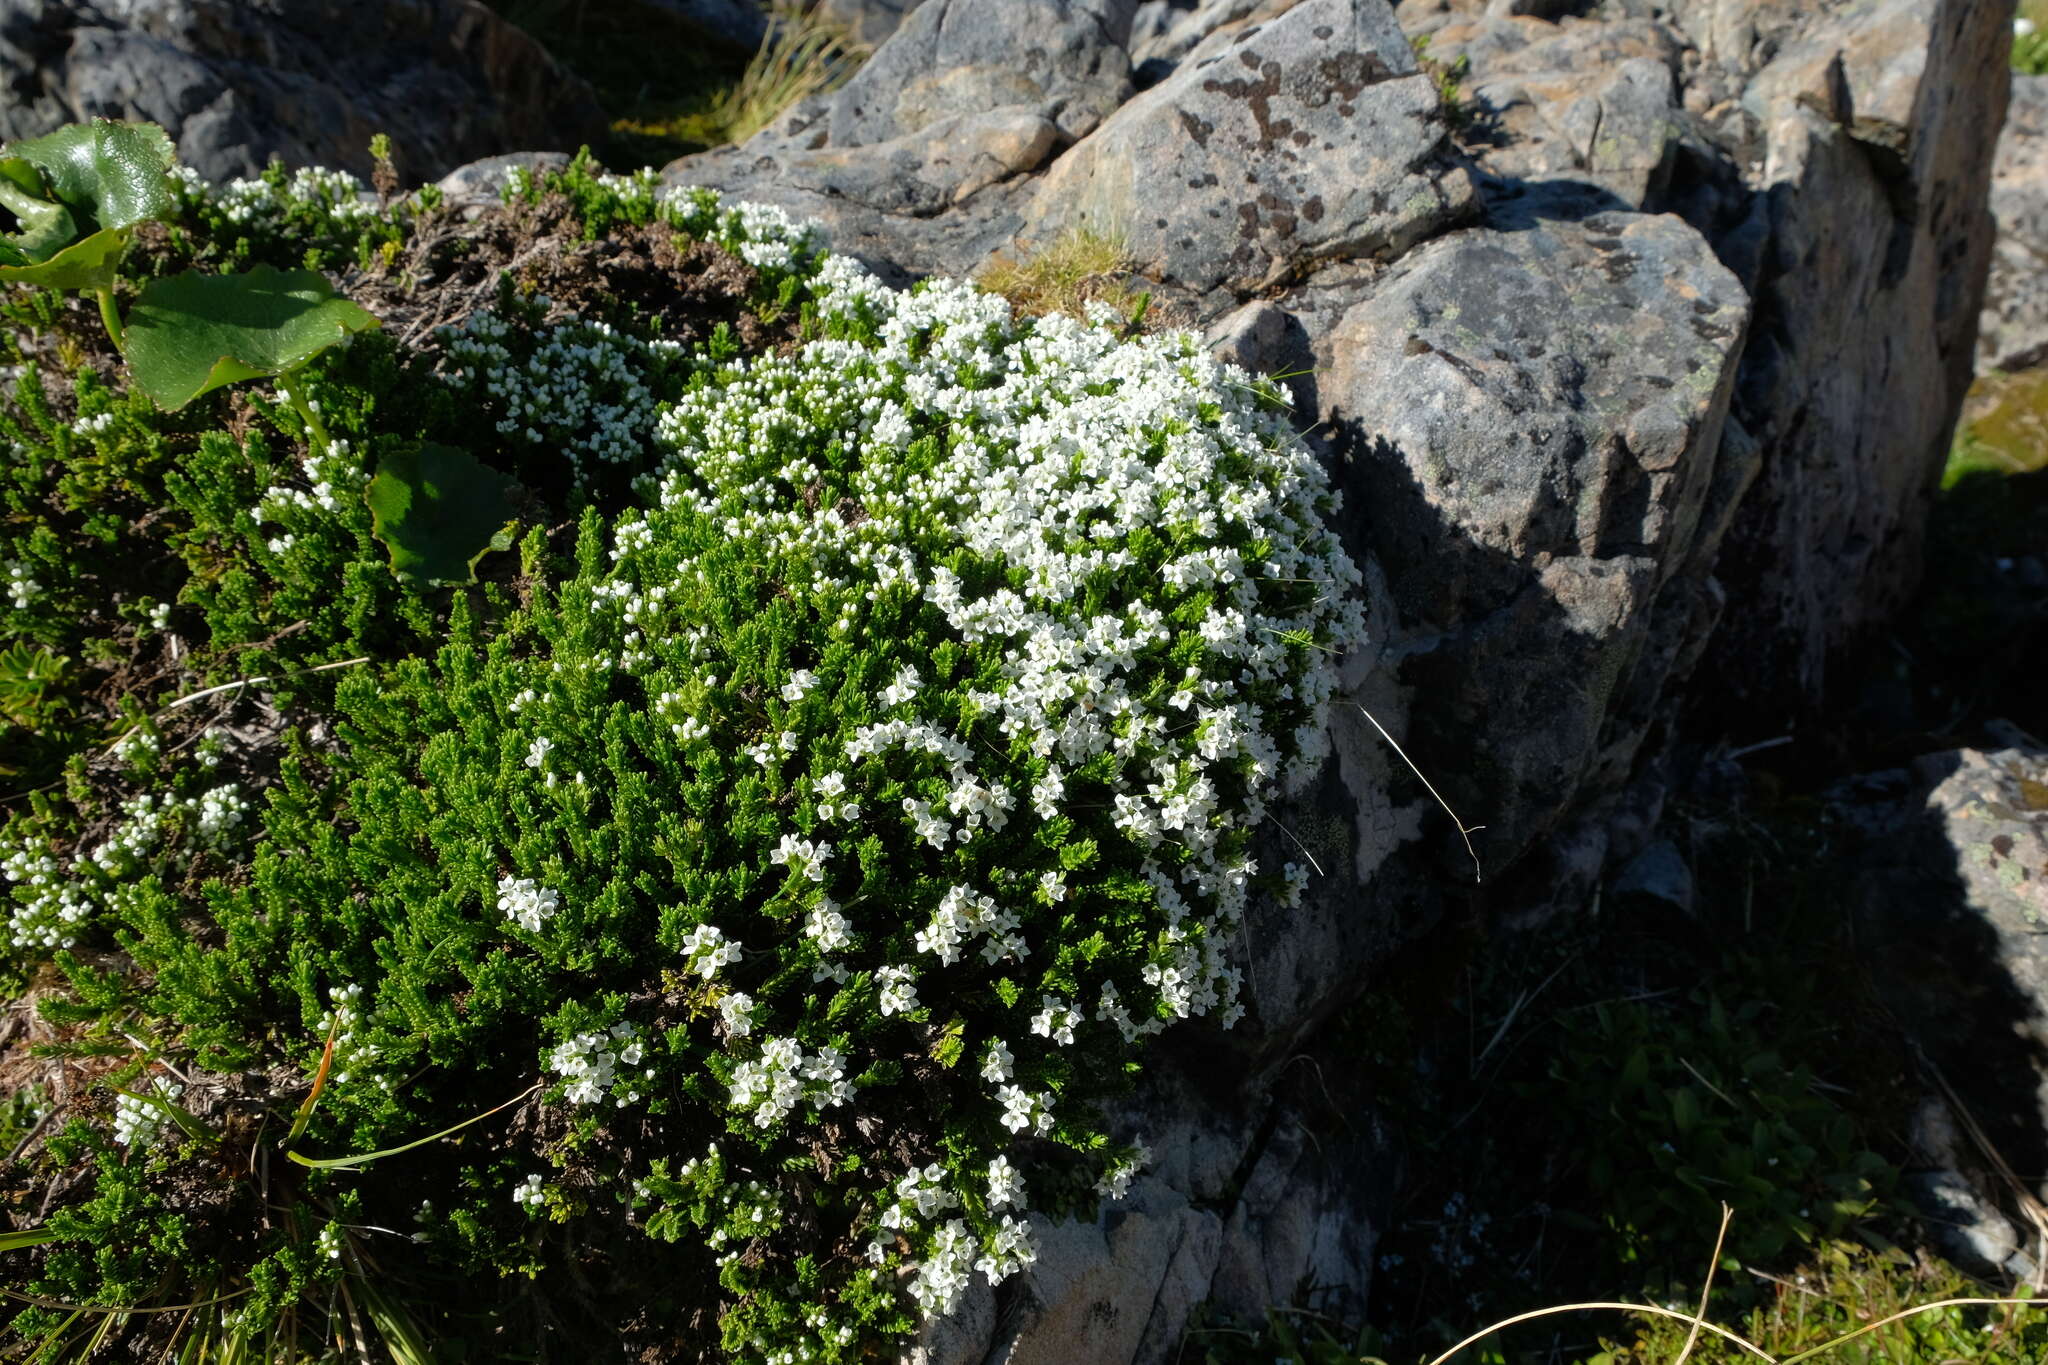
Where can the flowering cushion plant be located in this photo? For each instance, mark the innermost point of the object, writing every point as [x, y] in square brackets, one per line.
[824, 837]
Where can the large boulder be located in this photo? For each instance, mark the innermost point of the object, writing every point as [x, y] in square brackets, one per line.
[1949, 890]
[1871, 173]
[1311, 138]
[308, 82]
[1531, 426]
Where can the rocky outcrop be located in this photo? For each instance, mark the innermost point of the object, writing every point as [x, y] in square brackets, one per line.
[1869, 177]
[1311, 138]
[2013, 333]
[1634, 335]
[238, 84]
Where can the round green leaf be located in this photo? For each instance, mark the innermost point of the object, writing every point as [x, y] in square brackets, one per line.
[191, 333]
[115, 173]
[438, 511]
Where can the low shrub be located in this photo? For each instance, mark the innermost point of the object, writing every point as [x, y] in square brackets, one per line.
[714, 928]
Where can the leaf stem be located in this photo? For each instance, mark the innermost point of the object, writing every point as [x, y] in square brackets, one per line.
[110, 318]
[316, 429]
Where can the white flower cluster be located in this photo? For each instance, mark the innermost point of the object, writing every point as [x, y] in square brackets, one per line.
[220, 812]
[257, 201]
[528, 1194]
[705, 950]
[774, 1083]
[21, 588]
[326, 472]
[137, 746]
[355, 1056]
[53, 902]
[137, 1121]
[589, 1065]
[49, 907]
[1116, 1180]
[579, 390]
[526, 902]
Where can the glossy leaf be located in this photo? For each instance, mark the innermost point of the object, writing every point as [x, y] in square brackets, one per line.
[438, 511]
[109, 174]
[86, 265]
[190, 333]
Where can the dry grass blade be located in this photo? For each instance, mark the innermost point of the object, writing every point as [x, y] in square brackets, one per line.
[1465, 831]
[1706, 1290]
[1650, 1308]
[802, 55]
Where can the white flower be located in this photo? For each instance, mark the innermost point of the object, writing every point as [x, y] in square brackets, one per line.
[803, 857]
[1009, 1249]
[997, 1062]
[528, 1194]
[827, 924]
[898, 989]
[737, 1009]
[526, 902]
[800, 682]
[1005, 1186]
[2023, 28]
[705, 950]
[1055, 1020]
[1022, 1109]
[20, 586]
[137, 1122]
[537, 752]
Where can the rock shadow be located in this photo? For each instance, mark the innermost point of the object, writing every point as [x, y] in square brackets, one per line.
[1947, 904]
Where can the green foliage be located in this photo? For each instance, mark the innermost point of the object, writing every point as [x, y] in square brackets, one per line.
[439, 510]
[1844, 1289]
[189, 334]
[75, 193]
[1740, 1124]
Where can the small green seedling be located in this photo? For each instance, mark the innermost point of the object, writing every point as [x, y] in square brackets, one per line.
[77, 196]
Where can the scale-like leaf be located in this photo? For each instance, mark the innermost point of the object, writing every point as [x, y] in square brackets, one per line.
[438, 511]
[114, 174]
[191, 333]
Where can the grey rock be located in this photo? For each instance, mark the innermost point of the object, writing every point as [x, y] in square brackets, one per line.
[942, 164]
[1965, 1220]
[869, 21]
[1872, 276]
[479, 182]
[2013, 331]
[308, 82]
[1612, 128]
[1311, 138]
[1950, 894]
[1062, 59]
[1265, 339]
[1530, 423]
[1166, 31]
[1117, 1289]
[1658, 873]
